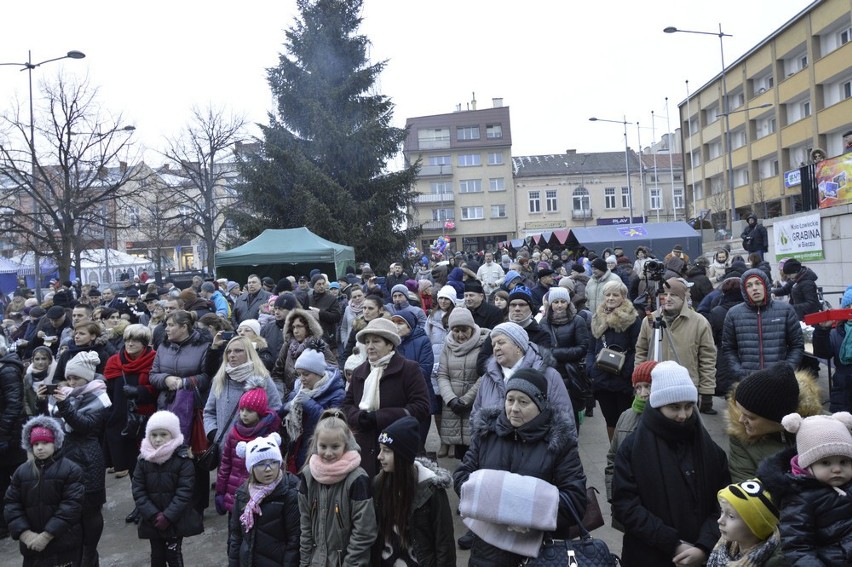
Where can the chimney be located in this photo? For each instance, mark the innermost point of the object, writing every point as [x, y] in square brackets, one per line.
[497, 102]
[473, 101]
[571, 152]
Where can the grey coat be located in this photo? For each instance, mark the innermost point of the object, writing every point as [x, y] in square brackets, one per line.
[219, 408]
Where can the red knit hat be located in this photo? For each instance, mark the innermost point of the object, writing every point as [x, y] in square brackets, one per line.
[255, 400]
[41, 435]
[642, 372]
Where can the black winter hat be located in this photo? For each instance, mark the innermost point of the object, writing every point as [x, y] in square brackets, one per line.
[474, 286]
[286, 301]
[403, 438]
[770, 393]
[532, 383]
[599, 264]
[792, 266]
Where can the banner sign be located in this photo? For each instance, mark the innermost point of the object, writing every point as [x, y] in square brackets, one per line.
[834, 180]
[799, 237]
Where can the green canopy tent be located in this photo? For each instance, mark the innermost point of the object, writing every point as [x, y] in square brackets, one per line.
[278, 253]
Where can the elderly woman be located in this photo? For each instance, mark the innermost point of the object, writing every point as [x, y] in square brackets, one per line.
[458, 381]
[241, 371]
[755, 408]
[525, 435]
[129, 388]
[512, 352]
[615, 325]
[383, 389]
[301, 330]
[179, 374]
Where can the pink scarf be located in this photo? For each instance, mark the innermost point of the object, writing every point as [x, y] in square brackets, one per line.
[257, 492]
[162, 453]
[332, 473]
[95, 386]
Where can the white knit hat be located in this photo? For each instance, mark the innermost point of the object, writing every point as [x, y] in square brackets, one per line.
[83, 365]
[260, 449]
[820, 436]
[558, 293]
[312, 361]
[671, 384]
[252, 324]
[164, 420]
[448, 292]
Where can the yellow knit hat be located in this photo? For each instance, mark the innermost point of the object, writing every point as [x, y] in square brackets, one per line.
[754, 504]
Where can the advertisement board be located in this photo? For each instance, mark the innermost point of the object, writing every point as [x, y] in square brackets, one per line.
[799, 237]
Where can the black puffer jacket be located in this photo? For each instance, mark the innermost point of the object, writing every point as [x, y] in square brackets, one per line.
[804, 295]
[701, 285]
[274, 538]
[46, 496]
[816, 521]
[166, 488]
[758, 336]
[570, 344]
[544, 448]
[11, 406]
[755, 238]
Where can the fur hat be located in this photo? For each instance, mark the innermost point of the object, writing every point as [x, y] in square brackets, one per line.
[311, 360]
[256, 401]
[671, 384]
[642, 372]
[770, 393]
[164, 420]
[252, 324]
[820, 436]
[42, 422]
[544, 272]
[558, 292]
[260, 449]
[515, 332]
[532, 383]
[403, 438]
[381, 327]
[55, 312]
[461, 317]
[83, 365]
[754, 505]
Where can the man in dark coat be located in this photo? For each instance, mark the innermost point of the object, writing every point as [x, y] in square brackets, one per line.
[273, 331]
[327, 309]
[248, 305]
[486, 315]
[545, 281]
[11, 422]
[801, 287]
[755, 239]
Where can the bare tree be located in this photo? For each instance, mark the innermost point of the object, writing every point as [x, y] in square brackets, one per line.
[204, 155]
[759, 196]
[718, 203]
[60, 190]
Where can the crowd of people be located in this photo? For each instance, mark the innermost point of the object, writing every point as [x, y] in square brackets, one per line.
[304, 406]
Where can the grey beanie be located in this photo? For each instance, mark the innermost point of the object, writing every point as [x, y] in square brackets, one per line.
[312, 361]
[399, 288]
[558, 293]
[532, 383]
[515, 332]
[461, 317]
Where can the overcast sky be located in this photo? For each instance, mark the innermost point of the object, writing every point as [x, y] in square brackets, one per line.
[555, 63]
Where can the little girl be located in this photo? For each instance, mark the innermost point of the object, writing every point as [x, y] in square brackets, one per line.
[45, 498]
[38, 372]
[749, 527]
[255, 421]
[162, 488]
[338, 522]
[413, 512]
[813, 489]
[264, 528]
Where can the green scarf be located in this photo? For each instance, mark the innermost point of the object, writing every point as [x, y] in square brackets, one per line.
[845, 354]
[638, 404]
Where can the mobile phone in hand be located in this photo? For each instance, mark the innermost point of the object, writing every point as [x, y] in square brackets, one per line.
[227, 335]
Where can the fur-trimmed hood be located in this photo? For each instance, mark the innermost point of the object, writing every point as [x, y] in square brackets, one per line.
[46, 422]
[430, 477]
[550, 426]
[619, 320]
[809, 404]
[314, 328]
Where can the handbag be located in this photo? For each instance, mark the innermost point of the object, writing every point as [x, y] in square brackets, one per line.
[584, 551]
[209, 458]
[135, 423]
[593, 517]
[609, 359]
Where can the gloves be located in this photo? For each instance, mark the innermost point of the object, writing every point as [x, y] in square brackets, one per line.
[367, 420]
[211, 437]
[27, 538]
[40, 541]
[457, 406]
[130, 392]
[220, 504]
[161, 522]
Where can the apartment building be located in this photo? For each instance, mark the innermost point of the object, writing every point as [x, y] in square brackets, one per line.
[662, 185]
[464, 187]
[787, 95]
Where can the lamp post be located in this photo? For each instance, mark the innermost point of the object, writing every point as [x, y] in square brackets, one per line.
[29, 66]
[723, 107]
[626, 157]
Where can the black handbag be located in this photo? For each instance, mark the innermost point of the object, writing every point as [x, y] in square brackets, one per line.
[135, 423]
[210, 458]
[585, 551]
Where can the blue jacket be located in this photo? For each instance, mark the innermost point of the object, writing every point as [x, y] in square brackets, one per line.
[222, 306]
[417, 347]
[330, 396]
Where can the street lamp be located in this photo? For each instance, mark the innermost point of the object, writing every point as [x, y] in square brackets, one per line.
[723, 107]
[29, 66]
[626, 158]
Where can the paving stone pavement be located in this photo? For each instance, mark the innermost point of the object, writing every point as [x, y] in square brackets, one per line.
[120, 545]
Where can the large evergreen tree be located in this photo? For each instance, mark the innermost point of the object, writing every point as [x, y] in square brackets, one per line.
[324, 154]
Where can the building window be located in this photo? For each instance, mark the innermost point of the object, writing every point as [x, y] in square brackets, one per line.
[494, 131]
[498, 211]
[844, 36]
[469, 160]
[433, 138]
[439, 160]
[656, 198]
[133, 217]
[714, 149]
[678, 199]
[535, 201]
[550, 200]
[470, 186]
[495, 158]
[711, 114]
[845, 90]
[464, 133]
[698, 190]
[625, 197]
[609, 197]
[444, 187]
[678, 177]
[766, 126]
[695, 157]
[768, 167]
[580, 200]
[693, 126]
[496, 184]
[738, 139]
[806, 108]
[443, 214]
[472, 213]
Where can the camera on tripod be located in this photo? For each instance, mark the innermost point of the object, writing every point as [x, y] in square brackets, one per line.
[654, 270]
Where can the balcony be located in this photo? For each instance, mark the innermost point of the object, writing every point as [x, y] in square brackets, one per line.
[584, 214]
[435, 198]
[437, 225]
[436, 170]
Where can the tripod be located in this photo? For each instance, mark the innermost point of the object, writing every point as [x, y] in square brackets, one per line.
[659, 325]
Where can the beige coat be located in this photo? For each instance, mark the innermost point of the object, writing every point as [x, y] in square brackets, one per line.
[457, 378]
